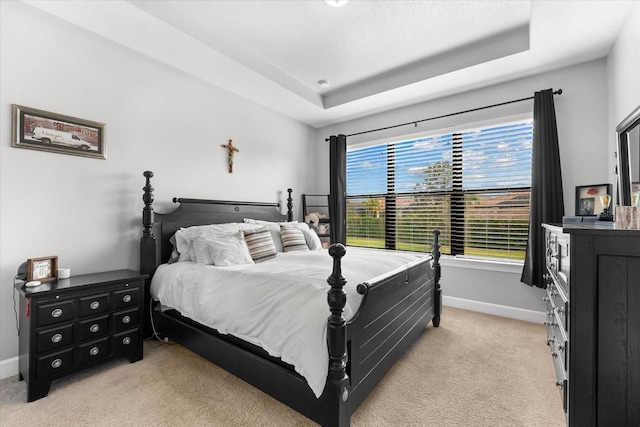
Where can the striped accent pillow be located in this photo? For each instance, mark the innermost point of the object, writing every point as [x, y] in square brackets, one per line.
[292, 238]
[260, 244]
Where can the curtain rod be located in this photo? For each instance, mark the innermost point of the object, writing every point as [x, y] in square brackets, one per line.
[415, 122]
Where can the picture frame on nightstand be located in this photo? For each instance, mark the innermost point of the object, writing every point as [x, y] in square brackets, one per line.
[43, 269]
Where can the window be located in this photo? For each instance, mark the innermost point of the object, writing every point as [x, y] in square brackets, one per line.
[473, 185]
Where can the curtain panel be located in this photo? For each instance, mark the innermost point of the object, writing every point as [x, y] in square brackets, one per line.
[547, 200]
[338, 188]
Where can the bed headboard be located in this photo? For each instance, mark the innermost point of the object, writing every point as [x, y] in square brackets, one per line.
[155, 247]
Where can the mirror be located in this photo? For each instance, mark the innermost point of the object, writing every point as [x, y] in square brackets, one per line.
[628, 133]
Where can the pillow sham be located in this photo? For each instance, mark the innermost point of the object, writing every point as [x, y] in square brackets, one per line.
[292, 238]
[185, 237]
[260, 244]
[313, 241]
[224, 250]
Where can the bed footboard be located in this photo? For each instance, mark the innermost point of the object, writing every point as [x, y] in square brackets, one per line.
[394, 313]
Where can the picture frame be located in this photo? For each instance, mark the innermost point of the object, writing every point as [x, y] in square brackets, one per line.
[588, 201]
[43, 269]
[635, 193]
[35, 129]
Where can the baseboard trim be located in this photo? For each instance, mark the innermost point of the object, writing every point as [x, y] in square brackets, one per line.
[8, 367]
[495, 309]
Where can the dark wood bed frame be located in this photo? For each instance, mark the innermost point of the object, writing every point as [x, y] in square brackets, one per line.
[394, 312]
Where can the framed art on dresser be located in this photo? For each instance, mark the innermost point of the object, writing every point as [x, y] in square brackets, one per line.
[44, 269]
[591, 199]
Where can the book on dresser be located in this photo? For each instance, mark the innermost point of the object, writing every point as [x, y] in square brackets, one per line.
[593, 321]
[70, 324]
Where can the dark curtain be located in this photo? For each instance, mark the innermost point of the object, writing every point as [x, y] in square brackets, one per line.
[338, 188]
[547, 201]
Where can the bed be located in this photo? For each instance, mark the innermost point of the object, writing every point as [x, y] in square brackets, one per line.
[362, 341]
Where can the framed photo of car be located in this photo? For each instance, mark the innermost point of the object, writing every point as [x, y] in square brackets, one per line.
[46, 131]
[43, 269]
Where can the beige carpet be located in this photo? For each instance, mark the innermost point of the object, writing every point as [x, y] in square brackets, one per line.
[474, 370]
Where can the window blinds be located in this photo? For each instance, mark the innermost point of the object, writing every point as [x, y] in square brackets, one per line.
[473, 185]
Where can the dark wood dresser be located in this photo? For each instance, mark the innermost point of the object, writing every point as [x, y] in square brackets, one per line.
[593, 322]
[75, 323]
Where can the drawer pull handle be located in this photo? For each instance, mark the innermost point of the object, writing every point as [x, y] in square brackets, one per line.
[126, 319]
[126, 341]
[94, 305]
[126, 298]
[56, 338]
[56, 313]
[56, 363]
[94, 328]
[94, 351]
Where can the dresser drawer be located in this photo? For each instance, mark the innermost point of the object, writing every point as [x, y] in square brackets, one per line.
[95, 304]
[126, 298]
[94, 350]
[55, 312]
[53, 339]
[558, 304]
[124, 341]
[125, 320]
[54, 363]
[93, 328]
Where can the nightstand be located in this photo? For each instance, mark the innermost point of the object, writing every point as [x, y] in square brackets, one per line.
[71, 324]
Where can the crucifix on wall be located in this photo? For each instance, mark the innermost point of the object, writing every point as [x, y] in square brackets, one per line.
[232, 150]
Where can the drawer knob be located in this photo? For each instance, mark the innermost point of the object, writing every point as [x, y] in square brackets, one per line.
[56, 313]
[126, 340]
[126, 298]
[94, 351]
[56, 338]
[94, 328]
[56, 363]
[94, 305]
[126, 319]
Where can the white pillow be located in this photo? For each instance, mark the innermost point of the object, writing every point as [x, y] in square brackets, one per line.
[185, 237]
[223, 250]
[313, 241]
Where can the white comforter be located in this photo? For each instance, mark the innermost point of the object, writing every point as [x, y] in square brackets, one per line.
[279, 305]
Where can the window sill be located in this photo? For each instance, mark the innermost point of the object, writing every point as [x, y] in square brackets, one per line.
[514, 267]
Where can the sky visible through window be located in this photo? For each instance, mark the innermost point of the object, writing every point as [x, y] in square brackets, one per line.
[492, 157]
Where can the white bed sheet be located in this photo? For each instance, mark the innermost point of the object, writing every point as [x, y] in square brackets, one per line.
[279, 305]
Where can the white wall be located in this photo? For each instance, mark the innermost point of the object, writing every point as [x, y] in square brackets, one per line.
[88, 211]
[623, 71]
[583, 132]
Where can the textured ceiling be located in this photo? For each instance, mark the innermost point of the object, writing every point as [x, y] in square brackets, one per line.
[377, 55]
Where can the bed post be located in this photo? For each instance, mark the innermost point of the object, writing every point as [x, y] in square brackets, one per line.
[289, 205]
[335, 404]
[147, 243]
[437, 290]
